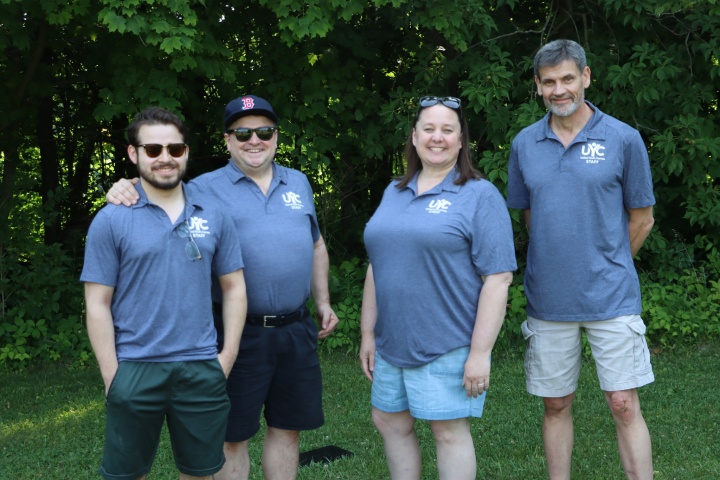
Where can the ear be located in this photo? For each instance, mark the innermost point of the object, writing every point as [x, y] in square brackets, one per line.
[414, 138]
[586, 77]
[537, 84]
[132, 154]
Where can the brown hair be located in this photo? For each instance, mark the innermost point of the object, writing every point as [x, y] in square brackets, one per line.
[153, 116]
[464, 167]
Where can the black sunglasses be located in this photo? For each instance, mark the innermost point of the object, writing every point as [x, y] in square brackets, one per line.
[450, 102]
[245, 134]
[153, 150]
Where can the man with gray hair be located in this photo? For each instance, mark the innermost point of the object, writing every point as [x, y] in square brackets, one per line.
[582, 179]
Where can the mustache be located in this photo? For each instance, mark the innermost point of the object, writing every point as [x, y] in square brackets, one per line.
[170, 164]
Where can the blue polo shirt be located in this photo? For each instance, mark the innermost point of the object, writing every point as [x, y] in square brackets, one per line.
[277, 233]
[428, 253]
[161, 306]
[579, 264]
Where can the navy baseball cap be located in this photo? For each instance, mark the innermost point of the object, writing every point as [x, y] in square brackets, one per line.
[248, 105]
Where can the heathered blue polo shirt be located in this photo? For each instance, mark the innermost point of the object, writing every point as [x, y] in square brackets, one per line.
[427, 253]
[161, 306]
[277, 233]
[579, 265]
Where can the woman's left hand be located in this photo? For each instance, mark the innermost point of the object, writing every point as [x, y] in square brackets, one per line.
[476, 379]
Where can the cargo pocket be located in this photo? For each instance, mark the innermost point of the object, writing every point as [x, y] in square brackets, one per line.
[528, 335]
[641, 353]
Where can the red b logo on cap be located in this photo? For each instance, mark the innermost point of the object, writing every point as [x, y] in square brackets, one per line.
[248, 103]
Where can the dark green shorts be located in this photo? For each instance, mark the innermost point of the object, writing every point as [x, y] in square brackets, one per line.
[190, 395]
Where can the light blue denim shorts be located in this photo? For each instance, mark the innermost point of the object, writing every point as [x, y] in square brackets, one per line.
[553, 354]
[431, 392]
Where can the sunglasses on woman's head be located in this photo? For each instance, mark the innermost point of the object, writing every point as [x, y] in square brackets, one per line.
[450, 102]
[245, 134]
[153, 150]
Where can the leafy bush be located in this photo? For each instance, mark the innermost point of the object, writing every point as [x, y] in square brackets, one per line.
[511, 333]
[684, 309]
[346, 290]
[41, 307]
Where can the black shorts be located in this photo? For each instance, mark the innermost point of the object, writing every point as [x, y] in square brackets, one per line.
[277, 368]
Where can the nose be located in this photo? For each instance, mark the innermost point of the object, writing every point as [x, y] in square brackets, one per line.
[558, 89]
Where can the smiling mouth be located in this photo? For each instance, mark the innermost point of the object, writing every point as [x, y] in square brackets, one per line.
[164, 168]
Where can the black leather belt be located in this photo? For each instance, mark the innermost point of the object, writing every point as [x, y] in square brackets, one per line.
[276, 321]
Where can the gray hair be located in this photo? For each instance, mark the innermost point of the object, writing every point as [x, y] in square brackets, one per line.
[557, 51]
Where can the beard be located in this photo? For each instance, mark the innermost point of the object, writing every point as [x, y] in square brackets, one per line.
[162, 183]
[567, 110]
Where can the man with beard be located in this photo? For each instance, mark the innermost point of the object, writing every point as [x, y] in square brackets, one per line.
[277, 369]
[147, 275]
[582, 179]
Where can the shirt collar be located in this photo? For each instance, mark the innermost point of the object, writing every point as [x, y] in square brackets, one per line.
[448, 183]
[236, 174]
[595, 128]
[192, 201]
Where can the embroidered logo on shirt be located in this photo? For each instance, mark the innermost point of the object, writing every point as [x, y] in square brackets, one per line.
[292, 200]
[593, 153]
[438, 206]
[198, 227]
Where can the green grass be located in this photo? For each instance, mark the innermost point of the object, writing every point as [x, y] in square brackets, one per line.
[51, 424]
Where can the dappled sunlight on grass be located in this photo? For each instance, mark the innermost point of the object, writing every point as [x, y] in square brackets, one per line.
[52, 424]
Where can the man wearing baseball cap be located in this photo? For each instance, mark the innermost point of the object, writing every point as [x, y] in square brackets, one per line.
[285, 261]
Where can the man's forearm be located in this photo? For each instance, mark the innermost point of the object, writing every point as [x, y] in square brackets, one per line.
[101, 330]
[640, 224]
[234, 312]
[321, 269]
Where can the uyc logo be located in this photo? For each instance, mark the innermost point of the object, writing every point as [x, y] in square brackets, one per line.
[198, 224]
[438, 206]
[292, 200]
[592, 152]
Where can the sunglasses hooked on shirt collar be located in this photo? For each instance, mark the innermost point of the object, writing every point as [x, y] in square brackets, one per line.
[153, 150]
[245, 134]
[191, 248]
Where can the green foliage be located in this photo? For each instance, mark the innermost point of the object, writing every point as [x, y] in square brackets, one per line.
[684, 308]
[41, 311]
[511, 333]
[344, 76]
[346, 290]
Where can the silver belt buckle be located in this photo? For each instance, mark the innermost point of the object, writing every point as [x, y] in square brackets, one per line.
[265, 319]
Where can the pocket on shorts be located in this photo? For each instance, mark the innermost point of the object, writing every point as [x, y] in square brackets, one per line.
[114, 382]
[527, 332]
[311, 330]
[217, 366]
[641, 352]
